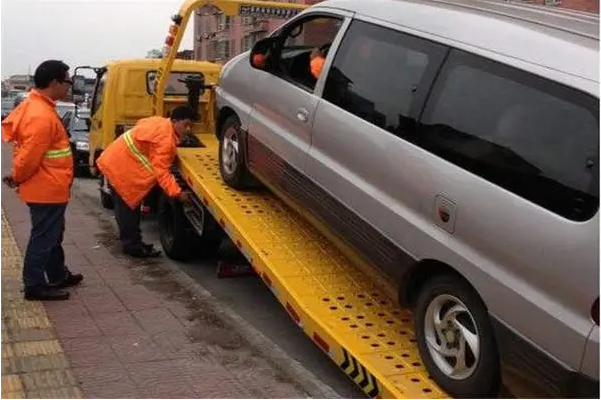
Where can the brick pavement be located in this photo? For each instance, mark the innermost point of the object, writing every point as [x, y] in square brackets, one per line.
[33, 361]
[130, 331]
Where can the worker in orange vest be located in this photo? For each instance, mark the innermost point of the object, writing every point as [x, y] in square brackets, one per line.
[42, 173]
[134, 163]
[317, 60]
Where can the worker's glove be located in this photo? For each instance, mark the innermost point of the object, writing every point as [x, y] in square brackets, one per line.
[9, 181]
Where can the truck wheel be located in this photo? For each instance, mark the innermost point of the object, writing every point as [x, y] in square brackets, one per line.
[179, 239]
[456, 339]
[105, 199]
[231, 159]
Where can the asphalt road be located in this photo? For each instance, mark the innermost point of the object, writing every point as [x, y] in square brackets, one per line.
[249, 298]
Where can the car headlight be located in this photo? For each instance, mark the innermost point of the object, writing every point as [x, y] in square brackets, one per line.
[82, 146]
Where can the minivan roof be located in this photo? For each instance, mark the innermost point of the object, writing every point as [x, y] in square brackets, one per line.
[556, 43]
[193, 65]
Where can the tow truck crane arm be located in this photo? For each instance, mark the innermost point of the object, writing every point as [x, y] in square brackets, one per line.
[231, 8]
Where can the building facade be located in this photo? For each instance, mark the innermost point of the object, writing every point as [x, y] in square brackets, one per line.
[19, 82]
[218, 38]
[591, 6]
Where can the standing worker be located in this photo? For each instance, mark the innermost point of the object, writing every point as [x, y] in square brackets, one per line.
[42, 172]
[134, 163]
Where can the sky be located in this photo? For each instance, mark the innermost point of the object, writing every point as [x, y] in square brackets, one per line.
[82, 32]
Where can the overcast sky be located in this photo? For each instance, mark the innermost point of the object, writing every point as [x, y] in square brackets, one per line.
[82, 32]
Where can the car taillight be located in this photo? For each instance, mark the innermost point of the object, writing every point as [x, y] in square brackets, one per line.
[595, 311]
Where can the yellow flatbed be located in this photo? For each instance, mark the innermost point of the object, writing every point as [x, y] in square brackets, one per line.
[338, 306]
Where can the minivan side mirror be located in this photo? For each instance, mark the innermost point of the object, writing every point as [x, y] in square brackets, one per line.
[79, 85]
[261, 53]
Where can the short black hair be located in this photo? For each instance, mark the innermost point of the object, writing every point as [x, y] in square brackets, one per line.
[48, 71]
[180, 113]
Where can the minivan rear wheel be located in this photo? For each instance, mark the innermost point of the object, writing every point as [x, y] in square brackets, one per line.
[456, 339]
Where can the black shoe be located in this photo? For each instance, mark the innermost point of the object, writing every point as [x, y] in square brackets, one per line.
[45, 293]
[70, 281]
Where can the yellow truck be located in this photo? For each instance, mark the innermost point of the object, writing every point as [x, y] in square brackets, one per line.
[346, 309]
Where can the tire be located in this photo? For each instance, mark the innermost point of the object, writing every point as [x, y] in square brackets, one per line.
[439, 296]
[105, 199]
[232, 164]
[81, 172]
[179, 239]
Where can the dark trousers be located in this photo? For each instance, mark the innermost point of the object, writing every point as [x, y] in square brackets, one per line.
[44, 258]
[129, 223]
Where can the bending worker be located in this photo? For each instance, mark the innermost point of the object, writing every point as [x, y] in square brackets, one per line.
[134, 163]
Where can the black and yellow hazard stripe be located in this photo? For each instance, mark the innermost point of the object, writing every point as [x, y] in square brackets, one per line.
[357, 372]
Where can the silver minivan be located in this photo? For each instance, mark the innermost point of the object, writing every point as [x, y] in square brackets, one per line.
[454, 145]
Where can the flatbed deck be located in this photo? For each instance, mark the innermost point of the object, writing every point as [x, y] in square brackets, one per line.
[338, 306]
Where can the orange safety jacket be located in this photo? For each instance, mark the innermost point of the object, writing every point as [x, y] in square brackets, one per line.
[42, 160]
[316, 65]
[140, 158]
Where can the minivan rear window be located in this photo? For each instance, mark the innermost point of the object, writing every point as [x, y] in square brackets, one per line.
[534, 137]
[377, 74]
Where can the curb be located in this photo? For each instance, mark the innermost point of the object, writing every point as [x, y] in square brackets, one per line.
[312, 385]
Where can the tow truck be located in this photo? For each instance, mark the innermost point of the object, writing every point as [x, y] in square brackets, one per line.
[340, 306]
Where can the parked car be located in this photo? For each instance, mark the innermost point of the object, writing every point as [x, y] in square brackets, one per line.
[19, 98]
[77, 127]
[11, 100]
[62, 107]
[7, 106]
[454, 145]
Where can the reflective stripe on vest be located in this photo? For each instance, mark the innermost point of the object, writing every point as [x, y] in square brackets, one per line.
[132, 147]
[66, 152]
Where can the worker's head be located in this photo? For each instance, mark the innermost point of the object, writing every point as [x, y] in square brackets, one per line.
[182, 118]
[52, 78]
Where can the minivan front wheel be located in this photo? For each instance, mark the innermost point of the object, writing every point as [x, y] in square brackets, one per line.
[231, 158]
[456, 339]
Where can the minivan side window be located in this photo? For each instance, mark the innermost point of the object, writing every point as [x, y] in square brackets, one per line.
[307, 38]
[533, 137]
[381, 75]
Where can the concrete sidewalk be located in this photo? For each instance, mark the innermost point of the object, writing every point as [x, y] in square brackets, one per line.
[130, 331]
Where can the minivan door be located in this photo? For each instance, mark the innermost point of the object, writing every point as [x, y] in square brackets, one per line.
[284, 102]
[368, 177]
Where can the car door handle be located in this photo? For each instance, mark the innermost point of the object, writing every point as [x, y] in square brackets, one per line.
[302, 115]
